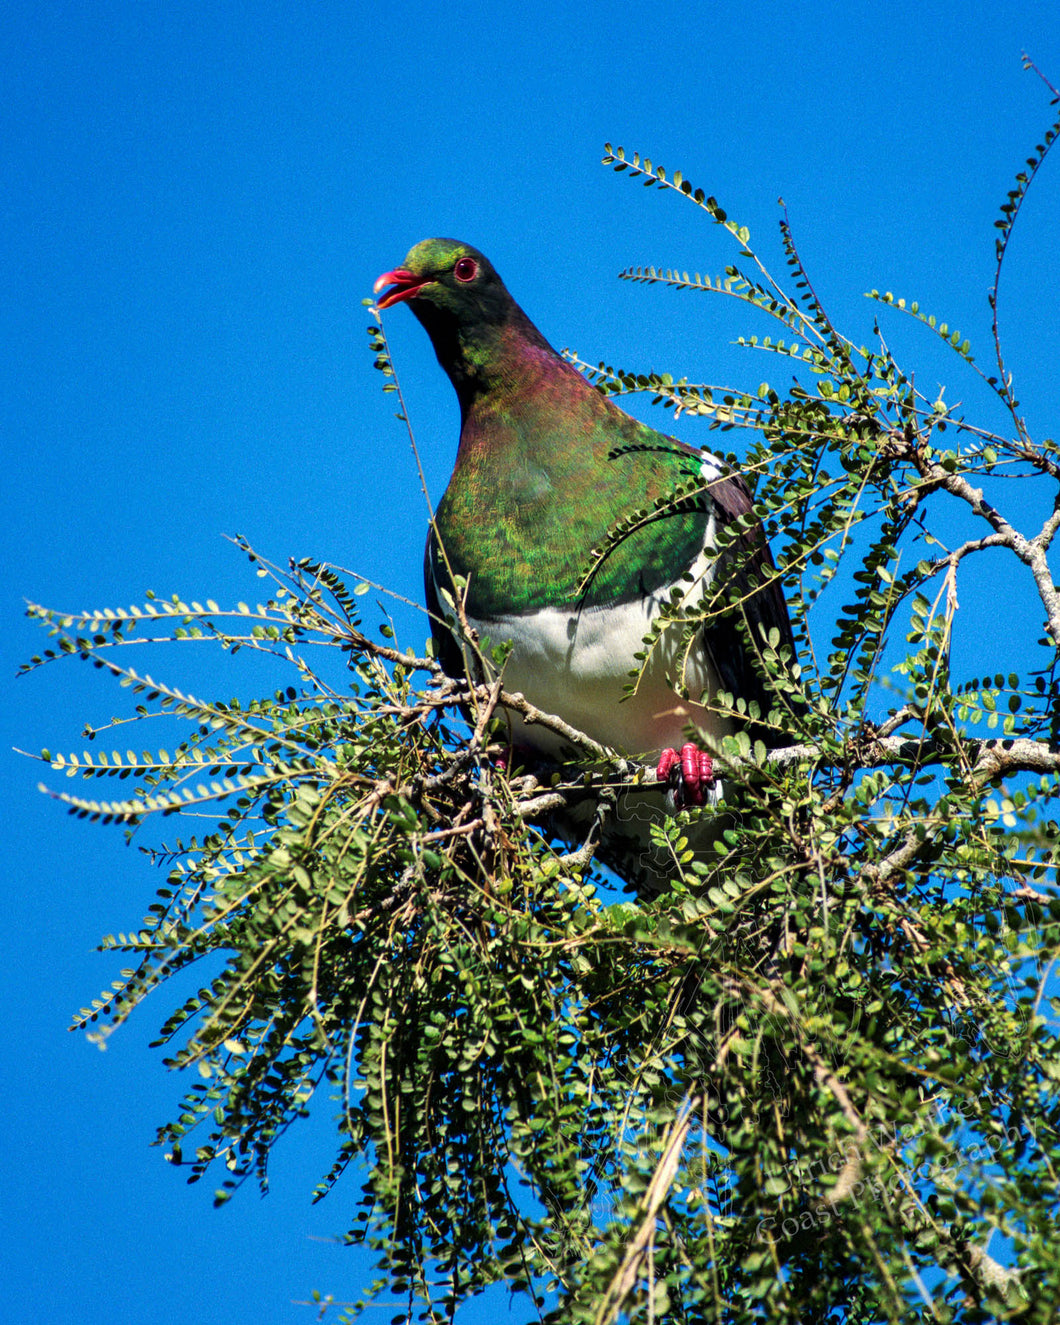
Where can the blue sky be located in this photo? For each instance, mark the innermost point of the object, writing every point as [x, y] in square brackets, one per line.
[197, 199]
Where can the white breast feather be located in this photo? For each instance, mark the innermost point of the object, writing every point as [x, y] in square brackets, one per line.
[577, 664]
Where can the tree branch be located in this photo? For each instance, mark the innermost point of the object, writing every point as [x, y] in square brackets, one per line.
[1030, 552]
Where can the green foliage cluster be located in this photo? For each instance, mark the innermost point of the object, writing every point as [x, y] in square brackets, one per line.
[815, 1080]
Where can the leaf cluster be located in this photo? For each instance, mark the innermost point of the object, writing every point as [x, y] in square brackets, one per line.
[817, 1078]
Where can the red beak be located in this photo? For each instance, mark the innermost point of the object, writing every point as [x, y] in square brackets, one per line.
[407, 285]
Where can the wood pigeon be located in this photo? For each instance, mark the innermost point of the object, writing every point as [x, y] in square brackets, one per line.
[545, 468]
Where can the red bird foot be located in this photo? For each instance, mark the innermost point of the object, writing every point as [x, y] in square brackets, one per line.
[689, 775]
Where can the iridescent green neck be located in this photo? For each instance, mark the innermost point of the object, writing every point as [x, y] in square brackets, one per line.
[484, 355]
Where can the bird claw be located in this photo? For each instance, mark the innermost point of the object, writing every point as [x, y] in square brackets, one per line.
[688, 775]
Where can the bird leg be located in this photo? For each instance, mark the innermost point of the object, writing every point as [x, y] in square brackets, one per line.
[688, 775]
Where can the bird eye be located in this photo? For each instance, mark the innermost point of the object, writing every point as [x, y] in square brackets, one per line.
[466, 269]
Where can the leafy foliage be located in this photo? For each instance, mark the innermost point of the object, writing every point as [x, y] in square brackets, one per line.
[815, 1080]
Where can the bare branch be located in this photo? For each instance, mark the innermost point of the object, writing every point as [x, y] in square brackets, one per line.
[626, 1275]
[1030, 552]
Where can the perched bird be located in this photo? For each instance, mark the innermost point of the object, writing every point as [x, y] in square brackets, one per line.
[545, 468]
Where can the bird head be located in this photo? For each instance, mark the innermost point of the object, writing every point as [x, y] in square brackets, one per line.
[455, 281]
[463, 305]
